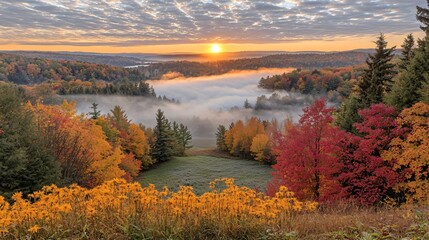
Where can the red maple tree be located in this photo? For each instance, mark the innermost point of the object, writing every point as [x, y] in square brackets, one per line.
[308, 160]
[365, 176]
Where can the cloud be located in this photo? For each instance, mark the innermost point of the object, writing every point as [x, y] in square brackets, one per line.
[154, 22]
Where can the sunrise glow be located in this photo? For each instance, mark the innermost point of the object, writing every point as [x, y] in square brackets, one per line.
[216, 48]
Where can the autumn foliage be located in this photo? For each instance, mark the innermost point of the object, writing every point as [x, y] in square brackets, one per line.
[409, 154]
[91, 151]
[385, 162]
[308, 155]
[251, 139]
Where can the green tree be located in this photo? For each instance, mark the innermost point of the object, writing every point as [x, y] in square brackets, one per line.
[183, 138]
[347, 114]
[423, 17]
[26, 164]
[407, 52]
[94, 113]
[220, 138]
[411, 86]
[163, 147]
[377, 78]
[247, 105]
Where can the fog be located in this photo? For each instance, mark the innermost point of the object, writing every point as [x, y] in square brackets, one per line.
[205, 102]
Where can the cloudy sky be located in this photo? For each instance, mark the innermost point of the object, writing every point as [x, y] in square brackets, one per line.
[192, 25]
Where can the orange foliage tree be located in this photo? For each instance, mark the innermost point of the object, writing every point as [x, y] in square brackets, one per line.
[410, 154]
[85, 156]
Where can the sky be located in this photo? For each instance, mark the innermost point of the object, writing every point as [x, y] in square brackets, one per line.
[171, 26]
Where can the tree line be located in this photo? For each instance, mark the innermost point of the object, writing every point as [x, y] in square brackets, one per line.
[45, 144]
[23, 70]
[304, 60]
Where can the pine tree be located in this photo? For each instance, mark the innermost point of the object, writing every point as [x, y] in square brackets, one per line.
[407, 52]
[94, 113]
[119, 118]
[220, 138]
[423, 17]
[411, 85]
[163, 147]
[377, 78]
[26, 164]
[247, 104]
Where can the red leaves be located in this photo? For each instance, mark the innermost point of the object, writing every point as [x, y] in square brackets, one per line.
[320, 162]
[366, 177]
[307, 161]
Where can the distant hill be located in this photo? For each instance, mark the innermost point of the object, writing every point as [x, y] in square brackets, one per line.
[138, 59]
[115, 60]
[26, 70]
[295, 60]
[44, 66]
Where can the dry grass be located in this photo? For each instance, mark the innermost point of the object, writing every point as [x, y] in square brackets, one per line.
[350, 222]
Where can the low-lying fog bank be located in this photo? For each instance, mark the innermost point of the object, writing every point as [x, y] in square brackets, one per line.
[205, 102]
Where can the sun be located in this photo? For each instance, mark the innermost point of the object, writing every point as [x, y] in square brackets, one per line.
[216, 48]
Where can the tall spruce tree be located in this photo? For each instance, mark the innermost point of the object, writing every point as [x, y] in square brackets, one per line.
[377, 78]
[411, 86]
[163, 147]
[95, 113]
[375, 83]
[423, 17]
[26, 165]
[407, 52]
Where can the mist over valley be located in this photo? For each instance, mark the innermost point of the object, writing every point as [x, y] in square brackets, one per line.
[203, 102]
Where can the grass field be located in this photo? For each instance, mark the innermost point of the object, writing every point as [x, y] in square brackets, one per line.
[198, 171]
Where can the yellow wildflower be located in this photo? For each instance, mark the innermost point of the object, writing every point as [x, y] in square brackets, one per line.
[34, 229]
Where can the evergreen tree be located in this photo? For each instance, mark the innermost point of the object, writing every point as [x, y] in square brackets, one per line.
[185, 137]
[94, 113]
[423, 17]
[247, 104]
[119, 118]
[163, 147]
[424, 92]
[347, 114]
[377, 78]
[407, 52]
[411, 85]
[26, 164]
[220, 138]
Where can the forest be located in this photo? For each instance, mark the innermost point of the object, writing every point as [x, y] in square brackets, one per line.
[27, 70]
[334, 83]
[355, 165]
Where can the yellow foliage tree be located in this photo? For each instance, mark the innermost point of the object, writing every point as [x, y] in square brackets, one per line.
[138, 145]
[410, 153]
[261, 147]
[105, 160]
